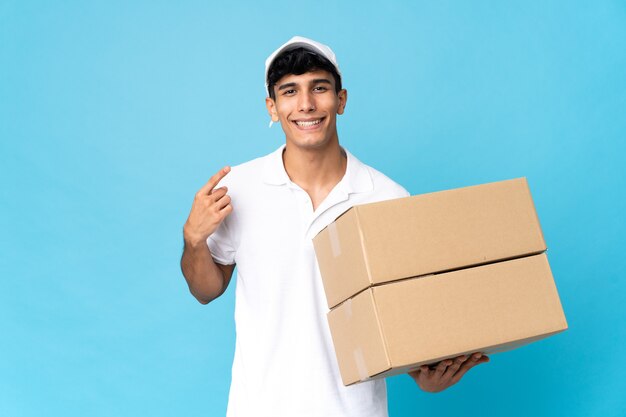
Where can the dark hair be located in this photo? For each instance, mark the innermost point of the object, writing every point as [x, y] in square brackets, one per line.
[299, 61]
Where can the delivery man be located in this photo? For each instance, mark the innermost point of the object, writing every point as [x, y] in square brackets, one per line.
[262, 216]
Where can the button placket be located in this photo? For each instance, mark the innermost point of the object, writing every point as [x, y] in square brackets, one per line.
[304, 204]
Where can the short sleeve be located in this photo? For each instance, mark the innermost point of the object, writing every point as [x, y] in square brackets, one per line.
[399, 191]
[221, 245]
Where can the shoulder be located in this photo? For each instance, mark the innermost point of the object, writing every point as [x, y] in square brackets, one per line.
[383, 183]
[382, 186]
[248, 174]
[249, 170]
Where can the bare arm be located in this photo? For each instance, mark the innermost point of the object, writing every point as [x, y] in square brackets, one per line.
[206, 279]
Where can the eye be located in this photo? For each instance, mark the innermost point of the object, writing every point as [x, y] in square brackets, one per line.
[320, 88]
[289, 92]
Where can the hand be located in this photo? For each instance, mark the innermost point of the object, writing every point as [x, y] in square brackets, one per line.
[210, 207]
[446, 373]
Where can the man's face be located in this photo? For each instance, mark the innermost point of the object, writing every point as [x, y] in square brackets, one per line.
[307, 107]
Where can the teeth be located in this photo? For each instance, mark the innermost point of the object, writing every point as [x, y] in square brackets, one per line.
[307, 124]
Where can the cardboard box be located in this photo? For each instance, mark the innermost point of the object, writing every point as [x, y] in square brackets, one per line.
[381, 242]
[393, 328]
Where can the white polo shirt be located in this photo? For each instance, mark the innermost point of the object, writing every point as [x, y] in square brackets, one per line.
[285, 364]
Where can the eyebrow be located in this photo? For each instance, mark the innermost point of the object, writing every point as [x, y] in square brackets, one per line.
[314, 81]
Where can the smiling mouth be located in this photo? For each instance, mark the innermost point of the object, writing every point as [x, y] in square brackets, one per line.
[308, 123]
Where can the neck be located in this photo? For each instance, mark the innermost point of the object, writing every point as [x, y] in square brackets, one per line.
[317, 169]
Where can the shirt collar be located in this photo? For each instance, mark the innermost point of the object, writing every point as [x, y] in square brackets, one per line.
[357, 178]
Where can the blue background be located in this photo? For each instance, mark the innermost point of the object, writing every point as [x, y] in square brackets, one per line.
[113, 114]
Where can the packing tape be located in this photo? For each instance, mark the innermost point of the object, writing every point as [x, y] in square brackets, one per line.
[348, 308]
[333, 235]
[361, 367]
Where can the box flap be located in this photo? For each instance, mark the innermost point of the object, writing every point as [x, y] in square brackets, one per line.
[357, 338]
[339, 253]
[486, 307]
[449, 229]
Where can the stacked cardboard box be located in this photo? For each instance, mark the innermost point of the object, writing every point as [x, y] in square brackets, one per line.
[416, 280]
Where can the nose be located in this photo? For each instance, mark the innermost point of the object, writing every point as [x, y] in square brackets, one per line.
[306, 103]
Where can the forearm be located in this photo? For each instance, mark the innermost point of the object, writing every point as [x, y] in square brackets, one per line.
[205, 279]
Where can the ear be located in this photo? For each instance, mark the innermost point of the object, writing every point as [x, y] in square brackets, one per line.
[343, 99]
[271, 109]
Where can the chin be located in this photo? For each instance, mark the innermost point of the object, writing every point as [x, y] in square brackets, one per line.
[311, 143]
[317, 140]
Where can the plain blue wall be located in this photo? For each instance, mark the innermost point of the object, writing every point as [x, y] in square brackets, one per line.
[113, 113]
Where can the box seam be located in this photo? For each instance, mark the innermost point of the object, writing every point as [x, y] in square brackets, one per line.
[445, 271]
[534, 207]
[363, 249]
[381, 332]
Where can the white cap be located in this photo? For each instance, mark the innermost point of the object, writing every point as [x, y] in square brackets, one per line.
[301, 42]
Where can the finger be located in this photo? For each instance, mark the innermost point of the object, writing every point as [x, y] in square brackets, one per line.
[226, 210]
[420, 374]
[456, 365]
[223, 202]
[218, 193]
[426, 372]
[476, 359]
[415, 373]
[441, 368]
[422, 371]
[214, 180]
[467, 366]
